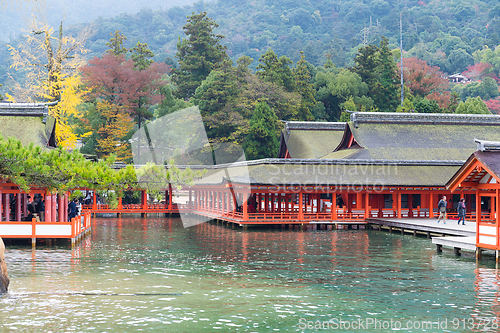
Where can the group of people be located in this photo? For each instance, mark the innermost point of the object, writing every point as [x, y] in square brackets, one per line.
[461, 210]
[36, 208]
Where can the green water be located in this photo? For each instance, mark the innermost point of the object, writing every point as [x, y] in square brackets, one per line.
[153, 275]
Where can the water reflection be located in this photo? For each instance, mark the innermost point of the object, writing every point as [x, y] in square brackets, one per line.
[213, 278]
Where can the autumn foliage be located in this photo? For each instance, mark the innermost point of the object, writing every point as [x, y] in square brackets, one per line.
[113, 78]
[422, 79]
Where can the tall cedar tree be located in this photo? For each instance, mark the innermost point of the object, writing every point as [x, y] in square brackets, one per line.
[377, 68]
[305, 88]
[385, 91]
[198, 55]
[141, 56]
[115, 43]
[262, 140]
[276, 70]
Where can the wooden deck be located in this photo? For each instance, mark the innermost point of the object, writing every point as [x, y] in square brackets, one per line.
[426, 226]
[74, 230]
[450, 235]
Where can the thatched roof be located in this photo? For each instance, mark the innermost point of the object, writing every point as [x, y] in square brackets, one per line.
[310, 139]
[28, 122]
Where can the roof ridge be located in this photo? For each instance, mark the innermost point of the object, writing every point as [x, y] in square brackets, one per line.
[424, 118]
[284, 161]
[313, 125]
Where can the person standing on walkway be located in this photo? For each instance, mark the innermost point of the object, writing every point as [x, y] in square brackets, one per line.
[72, 209]
[442, 209]
[461, 211]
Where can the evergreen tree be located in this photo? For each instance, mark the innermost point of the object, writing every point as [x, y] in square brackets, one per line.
[304, 87]
[276, 70]
[263, 138]
[198, 55]
[115, 43]
[377, 68]
[384, 91]
[473, 105]
[141, 55]
[217, 89]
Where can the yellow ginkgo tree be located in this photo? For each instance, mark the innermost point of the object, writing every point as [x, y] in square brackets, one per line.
[48, 71]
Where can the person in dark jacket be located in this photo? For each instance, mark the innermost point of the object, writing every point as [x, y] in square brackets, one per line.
[72, 209]
[442, 209]
[461, 211]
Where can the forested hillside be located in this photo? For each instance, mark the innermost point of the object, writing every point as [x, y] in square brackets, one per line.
[442, 32]
[248, 65]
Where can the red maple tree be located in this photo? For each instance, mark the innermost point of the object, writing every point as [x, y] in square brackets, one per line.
[493, 105]
[422, 79]
[477, 71]
[112, 78]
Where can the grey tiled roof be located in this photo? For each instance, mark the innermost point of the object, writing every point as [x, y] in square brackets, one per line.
[424, 118]
[316, 172]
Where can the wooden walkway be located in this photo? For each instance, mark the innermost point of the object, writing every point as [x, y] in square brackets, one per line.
[425, 226]
[458, 237]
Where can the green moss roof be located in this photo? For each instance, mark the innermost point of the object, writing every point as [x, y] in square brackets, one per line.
[26, 129]
[420, 141]
[313, 144]
[334, 173]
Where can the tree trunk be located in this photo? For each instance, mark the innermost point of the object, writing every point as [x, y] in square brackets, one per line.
[4, 277]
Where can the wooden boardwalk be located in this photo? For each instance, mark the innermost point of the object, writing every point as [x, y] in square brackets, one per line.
[459, 237]
[425, 225]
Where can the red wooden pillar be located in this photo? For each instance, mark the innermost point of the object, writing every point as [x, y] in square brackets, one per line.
[235, 200]
[492, 207]
[410, 205]
[288, 199]
[478, 214]
[367, 205]
[497, 219]
[349, 203]
[245, 208]
[65, 207]
[61, 208]
[18, 207]
[280, 197]
[6, 206]
[144, 199]
[53, 213]
[48, 207]
[381, 203]
[170, 199]
[431, 205]
[120, 203]
[301, 208]
[190, 202]
[399, 204]
[94, 200]
[25, 204]
[1, 206]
